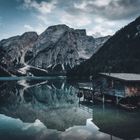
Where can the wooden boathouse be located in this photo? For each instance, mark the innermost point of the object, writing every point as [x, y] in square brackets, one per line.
[119, 84]
[114, 87]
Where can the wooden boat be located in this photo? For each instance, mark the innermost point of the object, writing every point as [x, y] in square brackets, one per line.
[128, 106]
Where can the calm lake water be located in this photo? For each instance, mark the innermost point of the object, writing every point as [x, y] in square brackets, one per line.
[49, 109]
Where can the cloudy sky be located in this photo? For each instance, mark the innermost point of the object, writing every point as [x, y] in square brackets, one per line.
[99, 17]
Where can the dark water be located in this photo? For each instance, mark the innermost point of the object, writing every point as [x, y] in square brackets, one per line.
[49, 109]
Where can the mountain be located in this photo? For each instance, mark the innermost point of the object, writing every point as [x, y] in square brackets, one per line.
[13, 50]
[121, 53]
[59, 48]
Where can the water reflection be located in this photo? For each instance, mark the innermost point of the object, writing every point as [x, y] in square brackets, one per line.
[114, 121]
[49, 109]
[15, 129]
[53, 103]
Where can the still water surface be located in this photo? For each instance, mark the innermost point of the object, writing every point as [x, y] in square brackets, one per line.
[49, 109]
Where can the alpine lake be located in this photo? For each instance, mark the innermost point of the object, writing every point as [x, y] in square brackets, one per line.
[47, 108]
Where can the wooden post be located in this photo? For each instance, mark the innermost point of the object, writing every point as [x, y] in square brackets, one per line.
[92, 98]
[103, 99]
[79, 100]
[117, 100]
[110, 137]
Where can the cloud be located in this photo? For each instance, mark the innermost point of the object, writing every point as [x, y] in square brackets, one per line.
[99, 31]
[110, 9]
[38, 28]
[77, 21]
[28, 27]
[81, 6]
[101, 3]
[102, 28]
[42, 7]
[99, 17]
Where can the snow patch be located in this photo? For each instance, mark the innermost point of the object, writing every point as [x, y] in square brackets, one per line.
[63, 67]
[26, 68]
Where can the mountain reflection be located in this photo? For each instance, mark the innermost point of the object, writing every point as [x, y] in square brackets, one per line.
[47, 101]
[49, 109]
[51, 93]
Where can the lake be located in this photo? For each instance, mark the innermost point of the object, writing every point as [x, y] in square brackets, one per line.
[48, 109]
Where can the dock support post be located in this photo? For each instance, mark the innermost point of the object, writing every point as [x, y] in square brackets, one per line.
[117, 100]
[79, 99]
[110, 137]
[103, 99]
[92, 98]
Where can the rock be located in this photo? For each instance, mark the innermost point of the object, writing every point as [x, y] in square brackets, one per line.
[60, 48]
[13, 50]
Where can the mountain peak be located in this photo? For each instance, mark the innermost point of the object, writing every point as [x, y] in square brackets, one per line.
[63, 28]
[58, 26]
[60, 48]
[29, 34]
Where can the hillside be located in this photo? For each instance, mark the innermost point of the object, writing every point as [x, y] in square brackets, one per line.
[121, 53]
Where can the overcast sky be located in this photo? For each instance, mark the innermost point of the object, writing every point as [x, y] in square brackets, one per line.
[99, 17]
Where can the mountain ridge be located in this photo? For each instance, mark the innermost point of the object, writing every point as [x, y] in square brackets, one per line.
[61, 46]
[58, 49]
[119, 54]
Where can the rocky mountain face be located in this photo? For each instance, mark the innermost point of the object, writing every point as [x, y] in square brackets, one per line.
[121, 53]
[13, 50]
[4, 72]
[60, 48]
[87, 45]
[57, 50]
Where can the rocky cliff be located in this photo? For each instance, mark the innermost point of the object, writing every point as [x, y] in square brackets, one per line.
[60, 48]
[13, 50]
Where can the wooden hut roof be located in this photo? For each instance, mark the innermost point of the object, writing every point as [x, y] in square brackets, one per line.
[123, 76]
